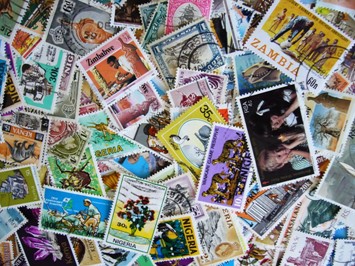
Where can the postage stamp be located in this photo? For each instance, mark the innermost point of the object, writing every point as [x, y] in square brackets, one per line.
[74, 213]
[21, 146]
[19, 186]
[146, 11]
[12, 98]
[253, 73]
[294, 47]
[86, 251]
[141, 103]
[114, 256]
[89, 102]
[78, 27]
[181, 196]
[84, 177]
[3, 76]
[6, 253]
[42, 247]
[126, 13]
[337, 81]
[344, 251]
[31, 121]
[11, 219]
[135, 213]
[264, 209]
[346, 217]
[182, 12]
[186, 138]
[331, 115]
[193, 46]
[343, 5]
[303, 247]
[217, 83]
[278, 134]
[24, 42]
[226, 171]
[116, 65]
[10, 16]
[105, 142]
[175, 238]
[220, 238]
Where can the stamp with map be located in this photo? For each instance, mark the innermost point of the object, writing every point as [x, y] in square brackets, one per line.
[226, 171]
[135, 213]
[11, 219]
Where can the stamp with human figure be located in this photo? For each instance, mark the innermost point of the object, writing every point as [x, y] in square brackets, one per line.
[306, 48]
[278, 135]
[175, 238]
[186, 138]
[226, 171]
[116, 66]
[135, 213]
[303, 247]
[11, 219]
[74, 213]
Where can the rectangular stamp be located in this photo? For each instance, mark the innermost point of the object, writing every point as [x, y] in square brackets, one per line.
[342, 6]
[278, 135]
[6, 253]
[146, 11]
[41, 247]
[19, 186]
[126, 13]
[114, 256]
[176, 238]
[12, 98]
[24, 42]
[331, 116]
[21, 146]
[135, 213]
[11, 219]
[220, 237]
[11, 15]
[74, 213]
[86, 251]
[193, 47]
[186, 138]
[303, 248]
[116, 66]
[288, 49]
[226, 171]
[28, 120]
[89, 101]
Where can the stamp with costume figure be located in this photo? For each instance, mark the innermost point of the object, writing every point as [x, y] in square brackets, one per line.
[135, 213]
[116, 66]
[115, 256]
[19, 186]
[220, 237]
[278, 135]
[41, 247]
[226, 171]
[147, 11]
[126, 13]
[86, 251]
[186, 138]
[11, 14]
[78, 27]
[11, 219]
[303, 247]
[306, 48]
[344, 249]
[175, 238]
[193, 46]
[74, 213]
[331, 114]
[6, 253]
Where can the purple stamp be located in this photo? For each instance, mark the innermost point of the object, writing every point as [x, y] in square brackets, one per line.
[226, 171]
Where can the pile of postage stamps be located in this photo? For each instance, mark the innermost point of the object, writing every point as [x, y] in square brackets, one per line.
[180, 132]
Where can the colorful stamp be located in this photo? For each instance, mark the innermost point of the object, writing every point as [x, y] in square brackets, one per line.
[303, 248]
[186, 138]
[24, 42]
[12, 97]
[19, 186]
[86, 251]
[74, 213]
[193, 46]
[84, 177]
[135, 213]
[331, 116]
[181, 196]
[306, 48]
[220, 237]
[21, 146]
[116, 66]
[126, 13]
[342, 5]
[140, 104]
[42, 247]
[114, 256]
[3, 76]
[11, 219]
[175, 238]
[337, 82]
[264, 209]
[226, 171]
[344, 251]
[257, 254]
[182, 12]
[11, 14]
[78, 27]
[6, 253]
[278, 135]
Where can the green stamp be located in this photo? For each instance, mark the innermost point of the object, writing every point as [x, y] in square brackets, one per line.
[10, 16]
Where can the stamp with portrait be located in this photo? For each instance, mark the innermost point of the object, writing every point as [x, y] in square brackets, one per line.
[175, 238]
[11, 219]
[86, 251]
[74, 213]
[116, 66]
[226, 171]
[135, 213]
[186, 138]
[6, 253]
[278, 135]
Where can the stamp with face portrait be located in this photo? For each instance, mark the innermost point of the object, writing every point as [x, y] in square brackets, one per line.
[11, 219]
[126, 13]
[86, 251]
[135, 213]
[226, 171]
[278, 135]
[116, 66]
